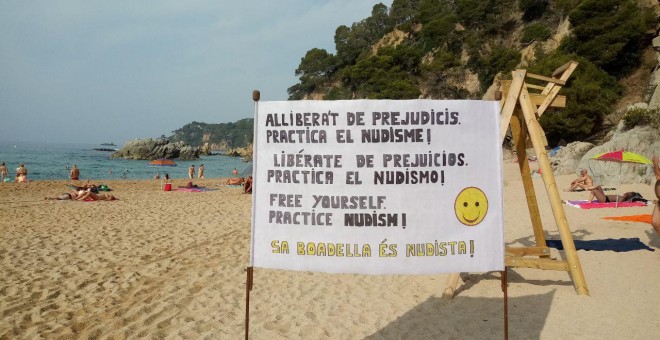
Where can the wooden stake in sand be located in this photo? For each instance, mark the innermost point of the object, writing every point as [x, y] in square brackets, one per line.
[256, 95]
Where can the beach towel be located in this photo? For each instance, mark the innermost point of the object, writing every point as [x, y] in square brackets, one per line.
[604, 189]
[644, 218]
[198, 189]
[596, 204]
[617, 245]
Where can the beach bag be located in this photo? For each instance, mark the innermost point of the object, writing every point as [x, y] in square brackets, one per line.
[636, 197]
[103, 187]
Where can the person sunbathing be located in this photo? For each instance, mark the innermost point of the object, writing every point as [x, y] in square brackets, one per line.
[598, 193]
[655, 218]
[90, 196]
[67, 196]
[584, 181]
[235, 181]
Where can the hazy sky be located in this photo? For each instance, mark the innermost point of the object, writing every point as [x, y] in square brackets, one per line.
[111, 71]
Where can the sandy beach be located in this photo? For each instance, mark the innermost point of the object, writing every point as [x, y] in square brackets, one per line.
[160, 264]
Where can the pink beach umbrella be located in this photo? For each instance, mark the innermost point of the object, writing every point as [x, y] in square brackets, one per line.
[621, 156]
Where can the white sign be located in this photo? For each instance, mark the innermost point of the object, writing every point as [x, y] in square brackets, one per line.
[378, 186]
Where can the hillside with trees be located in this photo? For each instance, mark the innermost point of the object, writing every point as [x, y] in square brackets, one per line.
[218, 136]
[457, 49]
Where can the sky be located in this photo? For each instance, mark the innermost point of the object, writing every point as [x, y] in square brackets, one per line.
[91, 71]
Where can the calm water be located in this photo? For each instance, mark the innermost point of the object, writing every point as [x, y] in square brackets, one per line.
[50, 161]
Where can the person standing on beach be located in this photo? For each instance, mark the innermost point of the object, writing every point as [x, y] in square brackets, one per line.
[655, 219]
[200, 173]
[191, 171]
[3, 172]
[75, 173]
[21, 173]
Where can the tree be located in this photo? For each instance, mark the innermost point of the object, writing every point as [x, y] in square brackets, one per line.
[379, 77]
[315, 69]
[609, 33]
[591, 94]
[532, 9]
[403, 11]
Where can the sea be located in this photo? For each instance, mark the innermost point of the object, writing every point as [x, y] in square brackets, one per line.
[53, 161]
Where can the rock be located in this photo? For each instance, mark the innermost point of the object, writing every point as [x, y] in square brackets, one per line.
[567, 159]
[643, 140]
[154, 148]
[656, 43]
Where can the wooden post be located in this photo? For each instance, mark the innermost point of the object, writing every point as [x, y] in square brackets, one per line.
[248, 288]
[519, 137]
[505, 290]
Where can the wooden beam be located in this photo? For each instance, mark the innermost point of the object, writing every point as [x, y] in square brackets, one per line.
[519, 132]
[528, 251]
[561, 69]
[511, 100]
[552, 91]
[539, 99]
[535, 132]
[547, 264]
[548, 79]
[536, 87]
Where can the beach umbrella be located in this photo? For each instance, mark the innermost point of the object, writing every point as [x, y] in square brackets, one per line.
[621, 156]
[159, 163]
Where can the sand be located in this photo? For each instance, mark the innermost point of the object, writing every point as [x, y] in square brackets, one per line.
[172, 265]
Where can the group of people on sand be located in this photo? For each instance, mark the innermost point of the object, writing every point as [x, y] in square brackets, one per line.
[585, 182]
[200, 171]
[83, 195]
[21, 173]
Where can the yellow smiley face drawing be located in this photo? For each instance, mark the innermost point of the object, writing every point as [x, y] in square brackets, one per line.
[471, 206]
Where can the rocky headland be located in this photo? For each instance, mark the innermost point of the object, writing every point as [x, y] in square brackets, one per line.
[155, 148]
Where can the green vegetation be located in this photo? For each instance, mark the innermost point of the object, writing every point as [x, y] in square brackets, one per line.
[609, 33]
[233, 135]
[641, 117]
[591, 94]
[535, 32]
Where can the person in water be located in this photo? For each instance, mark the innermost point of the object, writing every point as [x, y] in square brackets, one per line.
[75, 173]
[21, 173]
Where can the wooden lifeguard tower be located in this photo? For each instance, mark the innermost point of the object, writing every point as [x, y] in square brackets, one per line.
[521, 110]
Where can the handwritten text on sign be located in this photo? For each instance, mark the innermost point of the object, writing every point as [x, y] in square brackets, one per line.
[378, 187]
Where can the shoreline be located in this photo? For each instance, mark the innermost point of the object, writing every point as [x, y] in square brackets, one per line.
[172, 264]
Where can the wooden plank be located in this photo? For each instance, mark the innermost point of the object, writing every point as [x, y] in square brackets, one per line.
[553, 193]
[548, 79]
[561, 69]
[519, 131]
[528, 251]
[511, 100]
[546, 264]
[538, 99]
[536, 87]
[553, 90]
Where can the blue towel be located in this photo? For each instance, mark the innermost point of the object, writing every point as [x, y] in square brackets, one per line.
[618, 245]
